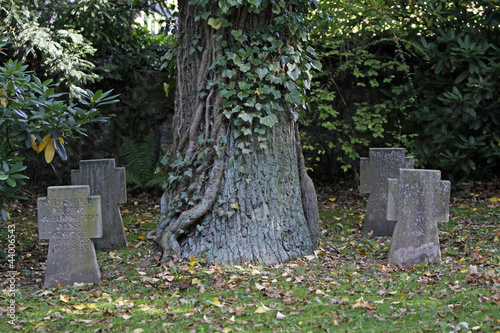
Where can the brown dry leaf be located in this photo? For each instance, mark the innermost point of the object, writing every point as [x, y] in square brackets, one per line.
[360, 303]
[473, 270]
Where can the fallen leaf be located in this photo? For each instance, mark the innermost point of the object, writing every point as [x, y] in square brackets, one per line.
[360, 303]
[193, 261]
[216, 302]
[262, 309]
[64, 298]
[279, 315]
[259, 286]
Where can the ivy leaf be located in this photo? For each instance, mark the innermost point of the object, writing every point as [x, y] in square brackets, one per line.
[274, 66]
[244, 85]
[293, 96]
[215, 23]
[261, 72]
[229, 73]
[255, 3]
[294, 75]
[244, 67]
[269, 120]
[316, 65]
[276, 93]
[246, 117]
[224, 5]
[243, 94]
[239, 36]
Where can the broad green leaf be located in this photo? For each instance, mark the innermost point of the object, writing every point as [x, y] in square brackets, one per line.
[274, 66]
[61, 151]
[97, 95]
[17, 168]
[244, 67]
[261, 72]
[11, 182]
[293, 96]
[269, 120]
[246, 117]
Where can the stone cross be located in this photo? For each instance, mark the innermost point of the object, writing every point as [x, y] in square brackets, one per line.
[417, 200]
[384, 163]
[108, 182]
[69, 217]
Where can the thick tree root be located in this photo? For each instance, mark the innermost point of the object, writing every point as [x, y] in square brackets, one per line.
[174, 226]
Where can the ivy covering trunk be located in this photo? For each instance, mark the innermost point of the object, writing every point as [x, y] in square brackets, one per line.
[238, 191]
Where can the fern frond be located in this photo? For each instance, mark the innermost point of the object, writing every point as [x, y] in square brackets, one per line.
[141, 158]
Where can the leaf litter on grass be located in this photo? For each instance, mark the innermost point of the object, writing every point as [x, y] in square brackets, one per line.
[345, 285]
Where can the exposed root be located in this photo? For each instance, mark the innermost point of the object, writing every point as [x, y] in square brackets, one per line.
[309, 198]
[174, 226]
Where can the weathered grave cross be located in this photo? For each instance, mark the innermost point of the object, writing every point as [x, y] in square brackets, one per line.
[108, 182]
[417, 200]
[384, 163]
[69, 217]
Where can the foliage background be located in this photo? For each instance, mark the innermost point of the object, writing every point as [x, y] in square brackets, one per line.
[94, 45]
[415, 74]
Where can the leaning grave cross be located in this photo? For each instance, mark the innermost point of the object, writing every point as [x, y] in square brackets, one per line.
[383, 163]
[69, 217]
[108, 182]
[417, 201]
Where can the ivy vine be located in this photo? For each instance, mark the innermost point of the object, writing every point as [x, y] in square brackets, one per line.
[259, 67]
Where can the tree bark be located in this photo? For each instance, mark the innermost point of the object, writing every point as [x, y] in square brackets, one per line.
[258, 206]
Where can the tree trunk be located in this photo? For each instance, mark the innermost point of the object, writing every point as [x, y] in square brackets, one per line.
[237, 194]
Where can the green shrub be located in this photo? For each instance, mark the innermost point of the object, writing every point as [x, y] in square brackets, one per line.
[422, 75]
[457, 112]
[363, 95]
[33, 116]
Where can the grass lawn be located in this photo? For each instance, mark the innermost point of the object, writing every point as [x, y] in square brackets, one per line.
[346, 286]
